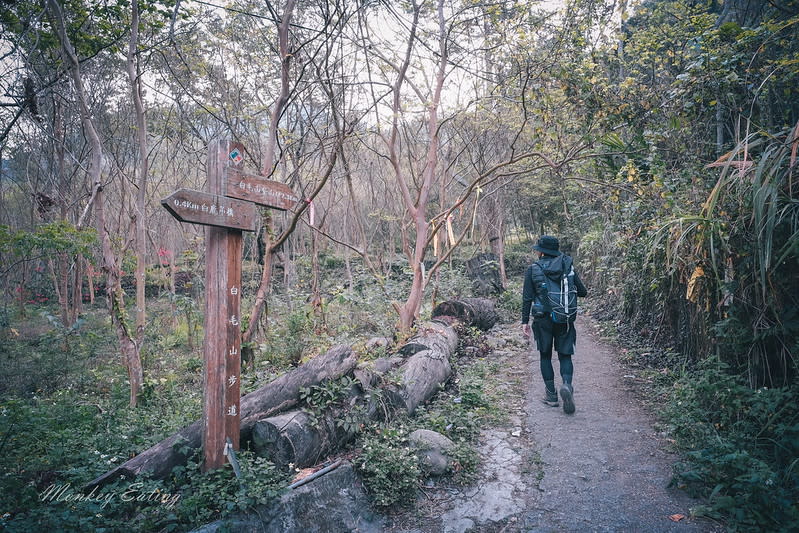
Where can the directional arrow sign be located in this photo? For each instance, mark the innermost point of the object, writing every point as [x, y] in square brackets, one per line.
[259, 190]
[200, 207]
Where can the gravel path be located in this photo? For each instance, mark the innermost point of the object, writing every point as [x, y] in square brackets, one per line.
[602, 469]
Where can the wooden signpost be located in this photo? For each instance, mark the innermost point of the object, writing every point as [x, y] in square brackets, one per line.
[225, 219]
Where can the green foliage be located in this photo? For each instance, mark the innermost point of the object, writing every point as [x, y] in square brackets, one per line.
[447, 414]
[509, 303]
[186, 307]
[55, 237]
[218, 493]
[459, 412]
[69, 437]
[741, 447]
[288, 340]
[335, 398]
[91, 28]
[732, 255]
[327, 394]
[47, 355]
[389, 468]
[465, 463]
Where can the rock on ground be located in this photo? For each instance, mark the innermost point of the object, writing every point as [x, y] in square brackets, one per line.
[431, 449]
[332, 503]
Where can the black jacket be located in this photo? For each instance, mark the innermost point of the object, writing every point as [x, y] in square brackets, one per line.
[534, 277]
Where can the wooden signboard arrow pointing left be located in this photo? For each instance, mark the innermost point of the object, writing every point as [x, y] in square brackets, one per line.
[198, 207]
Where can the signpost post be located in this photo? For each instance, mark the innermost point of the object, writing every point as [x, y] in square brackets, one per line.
[225, 219]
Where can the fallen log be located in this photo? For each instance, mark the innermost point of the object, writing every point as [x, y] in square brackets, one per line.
[426, 368]
[300, 439]
[278, 395]
[284, 392]
[422, 376]
[368, 375]
[297, 438]
[477, 312]
[434, 335]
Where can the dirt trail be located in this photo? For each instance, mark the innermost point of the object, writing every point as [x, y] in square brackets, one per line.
[602, 469]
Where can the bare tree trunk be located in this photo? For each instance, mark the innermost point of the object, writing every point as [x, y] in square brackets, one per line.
[495, 219]
[129, 347]
[417, 207]
[77, 289]
[262, 292]
[267, 166]
[58, 272]
[141, 198]
[64, 288]
[316, 289]
[90, 278]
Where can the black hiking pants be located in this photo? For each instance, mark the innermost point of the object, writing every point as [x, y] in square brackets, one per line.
[562, 337]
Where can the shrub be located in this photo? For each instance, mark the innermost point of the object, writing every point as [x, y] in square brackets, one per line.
[742, 447]
[389, 467]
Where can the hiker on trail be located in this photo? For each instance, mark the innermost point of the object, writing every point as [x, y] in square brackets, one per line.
[551, 288]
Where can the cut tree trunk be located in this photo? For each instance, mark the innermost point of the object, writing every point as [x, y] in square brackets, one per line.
[294, 437]
[274, 397]
[422, 376]
[435, 335]
[477, 312]
[301, 439]
[298, 438]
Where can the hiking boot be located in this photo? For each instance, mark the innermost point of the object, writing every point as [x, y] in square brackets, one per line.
[567, 394]
[550, 396]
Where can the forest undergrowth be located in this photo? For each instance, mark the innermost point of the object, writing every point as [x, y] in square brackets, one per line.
[65, 416]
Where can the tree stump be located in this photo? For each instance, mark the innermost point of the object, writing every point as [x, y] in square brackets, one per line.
[484, 271]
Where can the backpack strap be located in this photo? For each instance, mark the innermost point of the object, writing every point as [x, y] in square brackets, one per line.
[540, 285]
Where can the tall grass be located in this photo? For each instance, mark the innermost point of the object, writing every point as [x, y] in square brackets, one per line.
[737, 256]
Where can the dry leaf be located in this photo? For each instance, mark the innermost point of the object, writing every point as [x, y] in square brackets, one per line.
[677, 517]
[692, 293]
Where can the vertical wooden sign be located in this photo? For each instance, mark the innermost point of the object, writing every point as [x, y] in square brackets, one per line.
[222, 346]
[225, 217]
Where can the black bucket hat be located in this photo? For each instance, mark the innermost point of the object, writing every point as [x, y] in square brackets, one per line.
[549, 245]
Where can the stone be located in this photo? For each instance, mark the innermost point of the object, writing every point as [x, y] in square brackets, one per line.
[426, 439]
[335, 503]
[433, 462]
[431, 449]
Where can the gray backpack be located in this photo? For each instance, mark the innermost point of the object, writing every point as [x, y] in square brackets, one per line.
[561, 292]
